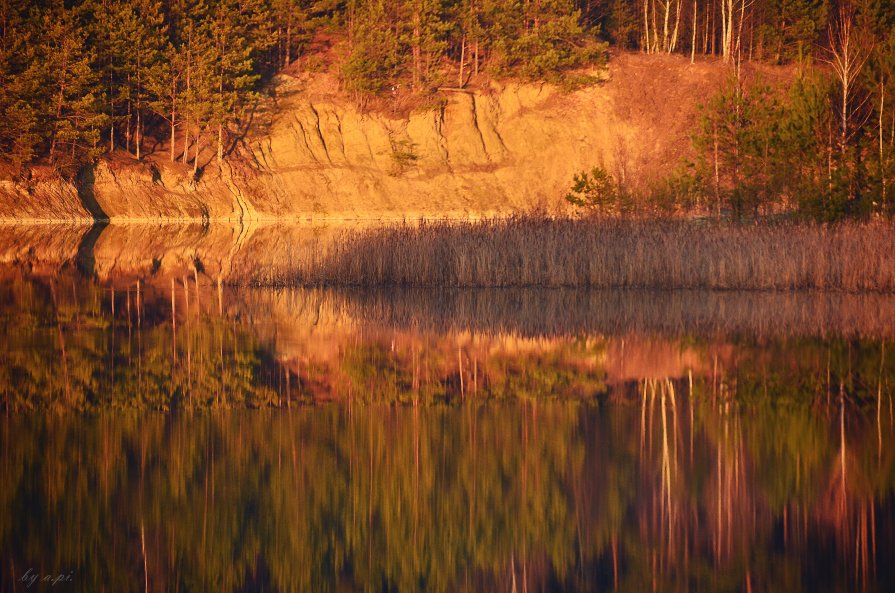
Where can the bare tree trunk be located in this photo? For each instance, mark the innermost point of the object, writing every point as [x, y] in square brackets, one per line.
[693, 43]
[60, 101]
[111, 102]
[475, 56]
[646, 40]
[281, 51]
[196, 158]
[727, 12]
[462, 59]
[289, 39]
[751, 31]
[829, 156]
[138, 135]
[417, 62]
[882, 144]
[220, 142]
[173, 117]
[705, 33]
[127, 125]
[666, 42]
[677, 24]
[186, 121]
[848, 56]
[717, 172]
[186, 141]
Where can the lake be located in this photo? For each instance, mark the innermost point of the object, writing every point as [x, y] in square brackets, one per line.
[165, 428]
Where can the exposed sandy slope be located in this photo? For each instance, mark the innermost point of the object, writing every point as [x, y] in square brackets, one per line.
[482, 152]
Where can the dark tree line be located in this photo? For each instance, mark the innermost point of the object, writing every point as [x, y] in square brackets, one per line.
[80, 78]
[821, 144]
[85, 77]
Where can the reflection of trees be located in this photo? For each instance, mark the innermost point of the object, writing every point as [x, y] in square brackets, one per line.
[752, 495]
[692, 493]
[770, 466]
[415, 498]
[66, 346]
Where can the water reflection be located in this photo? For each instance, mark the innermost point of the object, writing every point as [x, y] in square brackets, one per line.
[668, 492]
[441, 441]
[191, 342]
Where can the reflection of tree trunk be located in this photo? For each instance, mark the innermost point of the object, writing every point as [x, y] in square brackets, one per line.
[614, 561]
[879, 400]
[61, 343]
[173, 324]
[145, 562]
[842, 443]
[882, 160]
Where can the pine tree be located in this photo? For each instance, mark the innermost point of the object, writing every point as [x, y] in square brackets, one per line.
[71, 105]
[793, 27]
[235, 39]
[375, 61]
[19, 132]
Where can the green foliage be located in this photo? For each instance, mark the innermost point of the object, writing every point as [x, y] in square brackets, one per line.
[376, 62]
[596, 192]
[538, 40]
[396, 46]
[792, 27]
[623, 23]
[762, 152]
[85, 77]
[403, 155]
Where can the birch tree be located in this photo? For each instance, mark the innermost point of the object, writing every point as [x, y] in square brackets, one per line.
[848, 53]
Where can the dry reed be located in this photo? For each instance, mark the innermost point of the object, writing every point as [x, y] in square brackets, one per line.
[534, 312]
[528, 251]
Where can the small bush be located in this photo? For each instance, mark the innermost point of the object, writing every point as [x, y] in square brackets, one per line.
[596, 192]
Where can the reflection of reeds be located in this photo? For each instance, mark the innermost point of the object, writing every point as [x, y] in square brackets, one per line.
[643, 254]
[537, 312]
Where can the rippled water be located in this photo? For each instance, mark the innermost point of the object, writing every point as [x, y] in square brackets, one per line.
[164, 432]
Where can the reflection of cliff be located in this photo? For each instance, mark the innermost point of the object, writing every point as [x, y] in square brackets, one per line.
[119, 255]
[73, 343]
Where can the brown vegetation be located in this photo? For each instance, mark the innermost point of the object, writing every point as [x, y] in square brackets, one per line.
[532, 251]
[548, 313]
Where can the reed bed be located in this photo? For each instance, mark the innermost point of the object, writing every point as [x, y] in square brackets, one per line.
[568, 312]
[529, 251]
[549, 313]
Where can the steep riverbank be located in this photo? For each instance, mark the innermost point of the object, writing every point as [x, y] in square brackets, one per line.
[314, 155]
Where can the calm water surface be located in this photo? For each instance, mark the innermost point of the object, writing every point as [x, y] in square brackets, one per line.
[161, 432]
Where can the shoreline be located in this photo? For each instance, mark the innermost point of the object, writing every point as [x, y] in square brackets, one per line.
[511, 252]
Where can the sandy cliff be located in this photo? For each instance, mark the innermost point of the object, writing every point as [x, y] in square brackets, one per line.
[507, 147]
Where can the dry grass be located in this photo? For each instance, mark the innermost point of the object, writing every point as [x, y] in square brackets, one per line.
[529, 251]
[532, 312]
